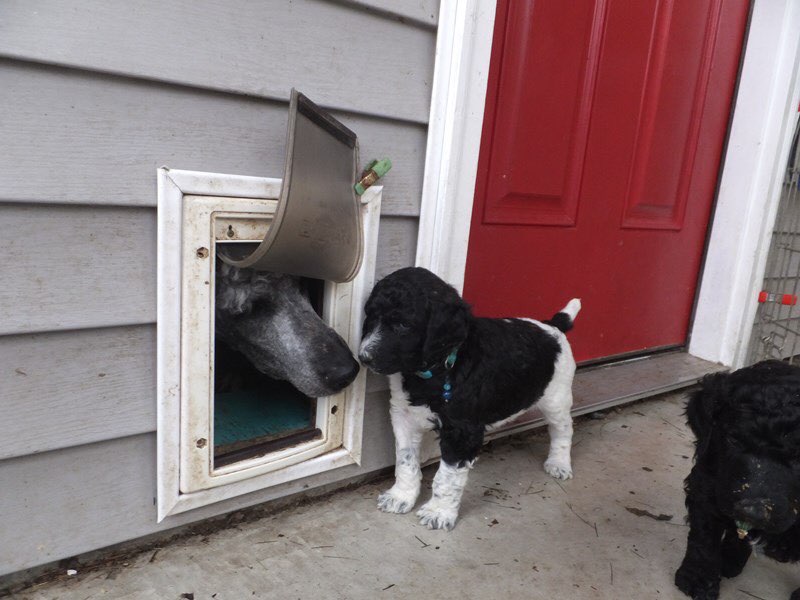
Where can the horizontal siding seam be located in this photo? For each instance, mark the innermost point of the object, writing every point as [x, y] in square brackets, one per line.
[87, 329]
[208, 88]
[51, 329]
[40, 453]
[388, 212]
[388, 13]
[58, 448]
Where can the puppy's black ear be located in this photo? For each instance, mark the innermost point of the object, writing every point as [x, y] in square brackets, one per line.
[704, 407]
[448, 325]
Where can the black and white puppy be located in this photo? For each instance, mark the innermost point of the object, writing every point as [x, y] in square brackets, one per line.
[461, 375]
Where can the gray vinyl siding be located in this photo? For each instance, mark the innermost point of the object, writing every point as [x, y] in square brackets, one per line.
[78, 267]
[97, 95]
[344, 56]
[67, 388]
[80, 137]
[90, 496]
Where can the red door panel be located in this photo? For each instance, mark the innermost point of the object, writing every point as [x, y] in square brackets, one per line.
[603, 131]
[537, 168]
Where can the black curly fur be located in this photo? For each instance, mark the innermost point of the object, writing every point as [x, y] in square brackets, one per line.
[747, 468]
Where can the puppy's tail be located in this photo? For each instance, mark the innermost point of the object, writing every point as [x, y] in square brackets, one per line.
[564, 318]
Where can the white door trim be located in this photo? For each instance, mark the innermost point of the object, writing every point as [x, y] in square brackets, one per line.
[463, 50]
[749, 192]
[766, 102]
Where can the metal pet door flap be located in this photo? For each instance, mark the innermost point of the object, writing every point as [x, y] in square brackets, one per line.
[317, 230]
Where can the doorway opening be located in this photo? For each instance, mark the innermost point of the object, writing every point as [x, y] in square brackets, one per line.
[255, 414]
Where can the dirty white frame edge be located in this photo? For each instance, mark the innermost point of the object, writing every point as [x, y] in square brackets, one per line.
[172, 186]
[747, 201]
[197, 471]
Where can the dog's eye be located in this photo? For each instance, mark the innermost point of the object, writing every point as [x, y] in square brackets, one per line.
[399, 327]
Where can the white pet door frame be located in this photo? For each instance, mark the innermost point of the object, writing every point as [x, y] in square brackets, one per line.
[194, 211]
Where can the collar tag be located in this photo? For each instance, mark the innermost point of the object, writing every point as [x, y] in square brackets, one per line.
[447, 388]
[448, 364]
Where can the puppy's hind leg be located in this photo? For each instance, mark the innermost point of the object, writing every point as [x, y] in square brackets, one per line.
[559, 426]
[409, 423]
[555, 405]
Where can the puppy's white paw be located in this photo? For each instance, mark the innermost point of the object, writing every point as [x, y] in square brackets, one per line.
[435, 516]
[397, 501]
[558, 469]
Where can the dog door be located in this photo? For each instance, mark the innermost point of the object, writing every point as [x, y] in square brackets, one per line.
[224, 428]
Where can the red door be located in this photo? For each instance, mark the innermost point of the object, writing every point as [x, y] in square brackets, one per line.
[604, 126]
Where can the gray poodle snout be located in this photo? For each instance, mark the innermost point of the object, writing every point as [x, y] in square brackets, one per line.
[338, 376]
[268, 317]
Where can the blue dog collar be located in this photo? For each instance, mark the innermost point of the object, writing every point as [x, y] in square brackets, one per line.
[447, 387]
[448, 364]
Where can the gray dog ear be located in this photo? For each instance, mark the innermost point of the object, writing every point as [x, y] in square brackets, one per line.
[233, 290]
[448, 324]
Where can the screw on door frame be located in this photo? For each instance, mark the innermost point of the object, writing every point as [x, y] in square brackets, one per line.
[202, 253]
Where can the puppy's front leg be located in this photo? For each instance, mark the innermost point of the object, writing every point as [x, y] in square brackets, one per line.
[441, 511]
[733, 552]
[460, 446]
[699, 574]
[409, 423]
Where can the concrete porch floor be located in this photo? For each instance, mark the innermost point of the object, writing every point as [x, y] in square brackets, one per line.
[616, 531]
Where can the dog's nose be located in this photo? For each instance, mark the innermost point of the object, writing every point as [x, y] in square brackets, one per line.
[340, 376]
[756, 511]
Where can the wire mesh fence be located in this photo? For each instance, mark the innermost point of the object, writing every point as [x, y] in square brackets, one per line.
[776, 330]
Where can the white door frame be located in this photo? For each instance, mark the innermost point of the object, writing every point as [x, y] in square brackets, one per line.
[461, 71]
[750, 186]
[757, 149]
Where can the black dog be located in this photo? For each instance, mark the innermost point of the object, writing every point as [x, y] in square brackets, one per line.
[461, 375]
[745, 484]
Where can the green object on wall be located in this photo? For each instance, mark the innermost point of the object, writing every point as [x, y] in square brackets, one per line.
[374, 171]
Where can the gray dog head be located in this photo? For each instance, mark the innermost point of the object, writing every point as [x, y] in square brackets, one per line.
[268, 317]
